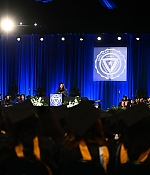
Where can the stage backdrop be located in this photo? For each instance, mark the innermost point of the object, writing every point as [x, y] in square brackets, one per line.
[30, 64]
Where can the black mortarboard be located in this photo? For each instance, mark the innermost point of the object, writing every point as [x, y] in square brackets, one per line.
[19, 112]
[123, 119]
[81, 117]
[103, 113]
[135, 114]
[60, 111]
[105, 116]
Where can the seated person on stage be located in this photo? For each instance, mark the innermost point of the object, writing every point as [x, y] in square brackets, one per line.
[84, 138]
[141, 100]
[7, 101]
[125, 102]
[136, 101]
[148, 101]
[22, 97]
[62, 90]
[18, 99]
[0, 99]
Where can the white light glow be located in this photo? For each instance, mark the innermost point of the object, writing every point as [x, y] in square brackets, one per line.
[18, 39]
[99, 38]
[63, 38]
[41, 39]
[81, 39]
[119, 38]
[7, 25]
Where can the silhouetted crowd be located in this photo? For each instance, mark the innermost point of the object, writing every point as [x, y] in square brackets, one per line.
[63, 140]
[127, 102]
[7, 101]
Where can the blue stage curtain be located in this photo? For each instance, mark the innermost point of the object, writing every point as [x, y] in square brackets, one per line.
[30, 64]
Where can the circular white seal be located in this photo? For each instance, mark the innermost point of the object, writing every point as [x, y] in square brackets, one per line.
[110, 63]
[56, 100]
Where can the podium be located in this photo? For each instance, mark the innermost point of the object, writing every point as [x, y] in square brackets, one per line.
[96, 103]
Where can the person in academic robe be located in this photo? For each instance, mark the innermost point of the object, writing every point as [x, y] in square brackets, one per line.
[125, 102]
[135, 144]
[0, 99]
[7, 101]
[17, 99]
[136, 101]
[24, 138]
[62, 90]
[148, 101]
[22, 97]
[84, 138]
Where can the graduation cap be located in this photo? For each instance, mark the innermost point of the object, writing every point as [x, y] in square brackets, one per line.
[103, 113]
[81, 117]
[19, 112]
[60, 111]
[129, 118]
[135, 114]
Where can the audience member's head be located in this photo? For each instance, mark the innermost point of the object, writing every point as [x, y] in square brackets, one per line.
[84, 123]
[49, 123]
[124, 98]
[22, 97]
[136, 138]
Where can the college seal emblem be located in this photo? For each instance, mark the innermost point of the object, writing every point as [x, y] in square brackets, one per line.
[55, 99]
[110, 63]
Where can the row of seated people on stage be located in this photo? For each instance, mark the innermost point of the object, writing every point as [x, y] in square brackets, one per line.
[57, 137]
[127, 102]
[7, 101]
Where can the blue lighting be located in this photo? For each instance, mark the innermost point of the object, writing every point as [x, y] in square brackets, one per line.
[108, 4]
[45, 1]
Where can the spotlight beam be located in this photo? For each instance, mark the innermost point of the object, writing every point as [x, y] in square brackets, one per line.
[7, 24]
[108, 4]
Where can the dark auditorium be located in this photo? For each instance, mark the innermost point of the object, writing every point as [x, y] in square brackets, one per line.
[75, 87]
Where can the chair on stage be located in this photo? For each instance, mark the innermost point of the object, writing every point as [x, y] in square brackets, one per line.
[23, 166]
[82, 168]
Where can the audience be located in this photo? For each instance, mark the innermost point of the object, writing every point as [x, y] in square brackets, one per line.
[23, 136]
[55, 136]
[7, 101]
[84, 139]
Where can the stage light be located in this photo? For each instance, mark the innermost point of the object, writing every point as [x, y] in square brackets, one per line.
[18, 39]
[99, 38]
[63, 38]
[35, 24]
[108, 4]
[20, 23]
[81, 37]
[41, 39]
[119, 38]
[137, 37]
[7, 25]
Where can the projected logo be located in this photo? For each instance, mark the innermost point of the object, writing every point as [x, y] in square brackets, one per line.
[110, 64]
[55, 99]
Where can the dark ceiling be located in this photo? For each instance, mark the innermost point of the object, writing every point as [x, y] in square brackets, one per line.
[79, 16]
